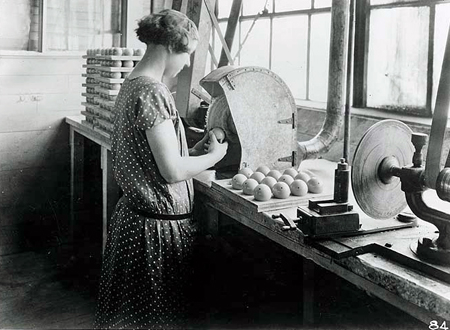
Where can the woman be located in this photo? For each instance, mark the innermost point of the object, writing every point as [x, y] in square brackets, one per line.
[146, 263]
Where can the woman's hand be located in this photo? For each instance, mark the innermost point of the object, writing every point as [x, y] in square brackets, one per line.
[201, 147]
[216, 148]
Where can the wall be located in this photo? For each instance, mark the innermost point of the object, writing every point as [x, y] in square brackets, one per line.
[37, 91]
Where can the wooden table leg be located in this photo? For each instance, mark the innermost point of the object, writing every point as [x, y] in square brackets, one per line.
[308, 292]
[76, 177]
[110, 191]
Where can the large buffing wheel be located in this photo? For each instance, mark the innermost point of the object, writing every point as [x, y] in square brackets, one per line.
[377, 191]
[219, 115]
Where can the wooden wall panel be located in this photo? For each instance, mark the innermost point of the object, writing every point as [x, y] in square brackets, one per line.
[40, 65]
[40, 148]
[40, 84]
[36, 188]
[25, 120]
[36, 94]
[14, 104]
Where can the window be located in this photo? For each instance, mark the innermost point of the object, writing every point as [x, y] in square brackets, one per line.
[399, 54]
[55, 25]
[291, 38]
[398, 49]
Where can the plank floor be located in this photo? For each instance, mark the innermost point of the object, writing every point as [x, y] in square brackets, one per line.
[243, 283]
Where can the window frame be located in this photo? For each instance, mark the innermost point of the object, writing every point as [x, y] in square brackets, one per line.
[42, 49]
[270, 16]
[360, 55]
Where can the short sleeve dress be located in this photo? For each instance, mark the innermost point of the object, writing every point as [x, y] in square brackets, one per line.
[146, 263]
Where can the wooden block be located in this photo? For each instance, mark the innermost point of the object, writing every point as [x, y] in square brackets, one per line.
[106, 91]
[110, 80]
[114, 68]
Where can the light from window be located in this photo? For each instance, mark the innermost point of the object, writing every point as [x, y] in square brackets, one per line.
[16, 25]
[289, 55]
[293, 44]
[216, 45]
[254, 7]
[81, 24]
[440, 38]
[397, 58]
[255, 51]
[319, 57]
[74, 25]
[224, 8]
[322, 3]
[289, 5]
[384, 2]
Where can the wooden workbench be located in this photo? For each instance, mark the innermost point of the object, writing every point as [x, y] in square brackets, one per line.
[407, 288]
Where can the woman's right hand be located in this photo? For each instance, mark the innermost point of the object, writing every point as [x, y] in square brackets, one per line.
[216, 148]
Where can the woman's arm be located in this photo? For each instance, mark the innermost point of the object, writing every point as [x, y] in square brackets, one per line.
[172, 166]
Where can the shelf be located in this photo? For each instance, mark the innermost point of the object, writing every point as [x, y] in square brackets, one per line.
[114, 68]
[105, 114]
[91, 75]
[115, 57]
[101, 100]
[89, 94]
[106, 91]
[110, 80]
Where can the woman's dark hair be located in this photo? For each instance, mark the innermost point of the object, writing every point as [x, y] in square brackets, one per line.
[169, 28]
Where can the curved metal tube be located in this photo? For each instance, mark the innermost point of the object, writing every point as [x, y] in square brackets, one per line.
[329, 133]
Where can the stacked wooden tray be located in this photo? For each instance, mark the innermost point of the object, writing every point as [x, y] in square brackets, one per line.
[106, 70]
[223, 188]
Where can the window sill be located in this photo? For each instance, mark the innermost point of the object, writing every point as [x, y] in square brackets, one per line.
[370, 113]
[50, 54]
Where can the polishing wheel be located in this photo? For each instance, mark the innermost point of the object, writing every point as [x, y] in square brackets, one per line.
[384, 146]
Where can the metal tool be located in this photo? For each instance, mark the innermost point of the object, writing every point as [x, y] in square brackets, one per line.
[331, 217]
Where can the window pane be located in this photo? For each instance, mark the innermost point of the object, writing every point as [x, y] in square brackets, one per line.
[82, 24]
[217, 47]
[255, 51]
[253, 7]
[319, 57]
[287, 5]
[19, 24]
[383, 2]
[289, 53]
[224, 7]
[440, 38]
[322, 3]
[397, 58]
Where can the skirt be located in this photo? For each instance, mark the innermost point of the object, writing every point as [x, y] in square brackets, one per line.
[147, 270]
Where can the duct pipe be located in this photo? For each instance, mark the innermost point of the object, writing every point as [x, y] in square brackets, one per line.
[334, 119]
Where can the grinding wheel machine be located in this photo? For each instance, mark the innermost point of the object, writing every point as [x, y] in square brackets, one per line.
[258, 114]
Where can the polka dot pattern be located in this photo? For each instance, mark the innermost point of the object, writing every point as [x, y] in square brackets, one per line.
[146, 269]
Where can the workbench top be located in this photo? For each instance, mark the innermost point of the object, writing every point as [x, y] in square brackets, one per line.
[380, 263]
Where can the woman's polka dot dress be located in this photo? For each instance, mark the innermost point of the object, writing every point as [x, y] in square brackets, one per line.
[146, 264]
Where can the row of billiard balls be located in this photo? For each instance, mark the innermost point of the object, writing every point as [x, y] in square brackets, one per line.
[265, 183]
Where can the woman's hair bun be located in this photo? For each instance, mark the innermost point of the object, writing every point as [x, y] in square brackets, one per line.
[169, 28]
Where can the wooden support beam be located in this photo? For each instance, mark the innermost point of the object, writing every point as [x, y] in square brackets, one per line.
[213, 17]
[231, 30]
[76, 175]
[189, 78]
[180, 5]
